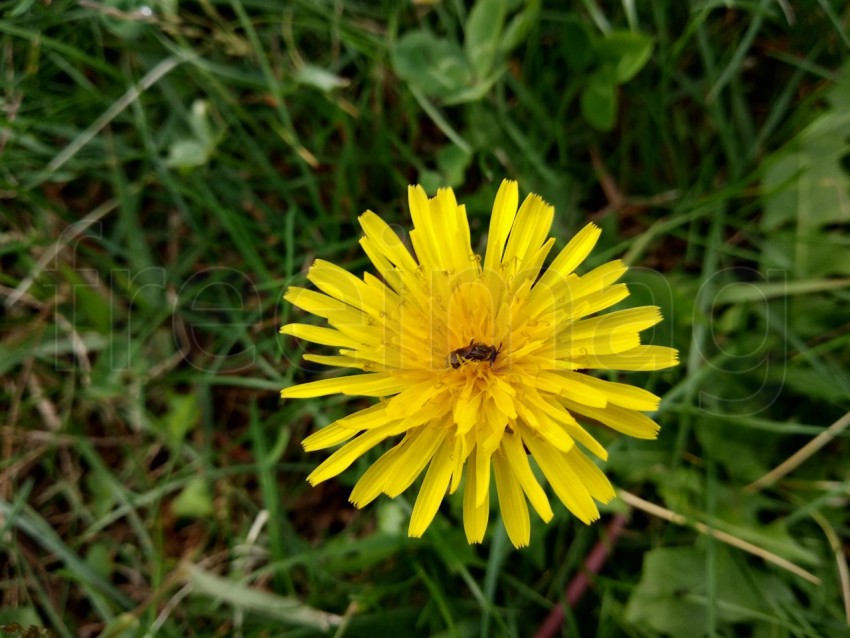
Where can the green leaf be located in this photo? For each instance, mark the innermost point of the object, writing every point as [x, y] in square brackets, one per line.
[453, 162]
[88, 300]
[186, 154]
[437, 66]
[520, 25]
[99, 557]
[25, 616]
[483, 30]
[741, 292]
[599, 99]
[257, 601]
[806, 185]
[626, 51]
[183, 414]
[190, 152]
[828, 255]
[577, 45]
[806, 182]
[391, 518]
[319, 78]
[671, 596]
[122, 626]
[195, 501]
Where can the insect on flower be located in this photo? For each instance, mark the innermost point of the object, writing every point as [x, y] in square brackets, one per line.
[475, 425]
[474, 352]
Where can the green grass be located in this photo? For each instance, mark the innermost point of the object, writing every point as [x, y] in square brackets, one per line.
[165, 176]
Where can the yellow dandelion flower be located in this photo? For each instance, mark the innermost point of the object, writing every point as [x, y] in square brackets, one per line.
[478, 365]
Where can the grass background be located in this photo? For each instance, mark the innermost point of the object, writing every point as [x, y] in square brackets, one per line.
[167, 169]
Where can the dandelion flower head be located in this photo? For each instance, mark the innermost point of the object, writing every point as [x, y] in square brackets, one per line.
[479, 365]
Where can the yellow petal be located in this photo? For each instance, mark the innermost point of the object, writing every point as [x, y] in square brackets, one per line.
[467, 411]
[540, 422]
[482, 474]
[368, 418]
[432, 491]
[419, 449]
[320, 335]
[573, 254]
[563, 479]
[388, 243]
[425, 239]
[511, 502]
[591, 476]
[640, 358]
[348, 453]
[605, 299]
[328, 436]
[375, 384]
[524, 278]
[630, 422]
[501, 221]
[459, 455]
[626, 396]
[502, 394]
[475, 515]
[576, 250]
[631, 320]
[338, 361]
[568, 388]
[319, 304]
[412, 398]
[372, 483]
[518, 459]
[338, 283]
[529, 231]
[570, 292]
[597, 279]
[566, 420]
[599, 344]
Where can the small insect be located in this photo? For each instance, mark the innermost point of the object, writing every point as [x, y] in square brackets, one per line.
[474, 352]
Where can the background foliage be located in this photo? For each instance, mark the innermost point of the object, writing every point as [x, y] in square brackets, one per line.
[167, 169]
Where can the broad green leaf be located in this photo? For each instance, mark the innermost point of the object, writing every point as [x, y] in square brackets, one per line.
[186, 154]
[182, 416]
[599, 99]
[100, 558]
[626, 51]
[195, 501]
[807, 185]
[452, 162]
[482, 34]
[827, 252]
[672, 597]
[437, 66]
[319, 78]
